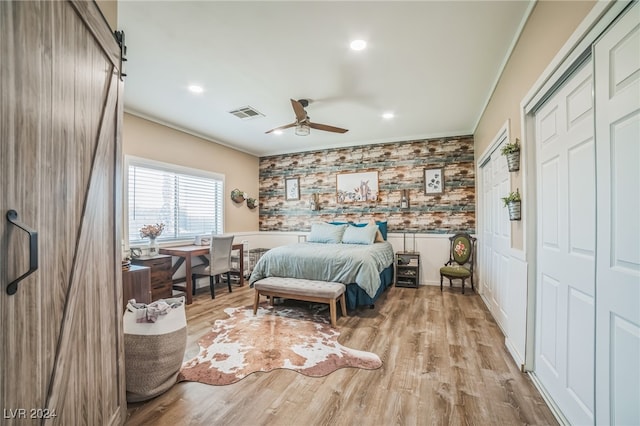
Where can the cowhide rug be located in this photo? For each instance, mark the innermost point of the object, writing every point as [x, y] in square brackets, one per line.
[297, 338]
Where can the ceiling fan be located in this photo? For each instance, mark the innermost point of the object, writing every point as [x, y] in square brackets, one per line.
[302, 123]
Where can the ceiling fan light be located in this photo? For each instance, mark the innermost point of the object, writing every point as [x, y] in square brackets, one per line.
[302, 129]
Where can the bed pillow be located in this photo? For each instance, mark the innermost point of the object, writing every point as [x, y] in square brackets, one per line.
[382, 226]
[360, 234]
[326, 233]
[382, 229]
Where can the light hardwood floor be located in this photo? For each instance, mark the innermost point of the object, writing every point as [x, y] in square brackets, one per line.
[444, 363]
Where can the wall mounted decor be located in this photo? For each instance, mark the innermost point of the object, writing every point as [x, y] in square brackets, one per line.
[512, 152]
[514, 203]
[434, 181]
[237, 196]
[404, 199]
[355, 187]
[292, 189]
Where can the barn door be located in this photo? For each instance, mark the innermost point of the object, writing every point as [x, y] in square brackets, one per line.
[61, 332]
[566, 246]
[617, 69]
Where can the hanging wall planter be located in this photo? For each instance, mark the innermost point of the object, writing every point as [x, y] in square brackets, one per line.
[237, 196]
[514, 203]
[512, 152]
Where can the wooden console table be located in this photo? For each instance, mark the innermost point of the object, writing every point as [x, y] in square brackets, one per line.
[185, 253]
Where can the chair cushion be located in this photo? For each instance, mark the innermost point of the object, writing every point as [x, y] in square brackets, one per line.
[455, 271]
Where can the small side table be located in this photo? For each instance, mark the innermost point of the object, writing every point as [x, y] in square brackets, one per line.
[407, 269]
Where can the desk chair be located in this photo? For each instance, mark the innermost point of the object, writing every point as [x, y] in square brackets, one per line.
[219, 262]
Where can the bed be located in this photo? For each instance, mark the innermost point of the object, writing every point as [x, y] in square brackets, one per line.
[360, 262]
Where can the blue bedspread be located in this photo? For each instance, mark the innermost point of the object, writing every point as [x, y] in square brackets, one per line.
[343, 263]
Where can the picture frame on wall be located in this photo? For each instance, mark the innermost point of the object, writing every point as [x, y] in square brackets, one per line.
[292, 189]
[357, 187]
[434, 181]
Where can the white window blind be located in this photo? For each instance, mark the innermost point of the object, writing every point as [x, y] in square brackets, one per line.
[189, 203]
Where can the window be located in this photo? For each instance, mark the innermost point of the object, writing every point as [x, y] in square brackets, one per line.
[188, 201]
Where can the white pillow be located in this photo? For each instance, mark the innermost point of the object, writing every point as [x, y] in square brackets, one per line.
[360, 234]
[326, 233]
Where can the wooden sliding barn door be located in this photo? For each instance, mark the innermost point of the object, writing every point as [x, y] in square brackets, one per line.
[61, 355]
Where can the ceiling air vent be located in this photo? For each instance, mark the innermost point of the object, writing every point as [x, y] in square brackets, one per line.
[246, 113]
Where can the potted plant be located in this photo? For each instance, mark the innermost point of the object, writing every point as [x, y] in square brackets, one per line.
[238, 196]
[512, 152]
[514, 203]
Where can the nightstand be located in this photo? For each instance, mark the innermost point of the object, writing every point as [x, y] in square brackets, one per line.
[407, 269]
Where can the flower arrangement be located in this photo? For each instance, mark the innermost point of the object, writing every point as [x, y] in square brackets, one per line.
[151, 231]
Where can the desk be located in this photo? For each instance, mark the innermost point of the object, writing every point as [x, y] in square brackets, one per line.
[185, 253]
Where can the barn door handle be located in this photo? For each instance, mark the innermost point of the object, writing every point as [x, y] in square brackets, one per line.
[12, 216]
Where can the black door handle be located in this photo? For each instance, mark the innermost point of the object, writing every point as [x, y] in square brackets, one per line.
[12, 216]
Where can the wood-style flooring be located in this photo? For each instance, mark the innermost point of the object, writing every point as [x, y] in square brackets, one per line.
[444, 363]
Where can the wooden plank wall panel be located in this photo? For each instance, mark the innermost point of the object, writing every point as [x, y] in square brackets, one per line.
[400, 165]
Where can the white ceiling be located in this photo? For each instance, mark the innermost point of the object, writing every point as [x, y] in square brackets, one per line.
[433, 63]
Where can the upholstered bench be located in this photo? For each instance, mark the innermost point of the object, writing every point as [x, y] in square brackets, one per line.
[299, 289]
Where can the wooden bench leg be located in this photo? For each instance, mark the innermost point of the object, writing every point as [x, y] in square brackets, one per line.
[332, 311]
[343, 305]
[255, 302]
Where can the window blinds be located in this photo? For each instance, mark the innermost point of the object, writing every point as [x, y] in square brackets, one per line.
[188, 204]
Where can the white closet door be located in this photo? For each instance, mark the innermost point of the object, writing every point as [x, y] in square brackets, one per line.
[617, 67]
[564, 349]
[496, 236]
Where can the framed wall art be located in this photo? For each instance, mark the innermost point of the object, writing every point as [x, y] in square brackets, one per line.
[434, 181]
[357, 187]
[292, 189]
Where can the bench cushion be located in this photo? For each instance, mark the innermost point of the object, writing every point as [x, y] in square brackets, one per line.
[297, 286]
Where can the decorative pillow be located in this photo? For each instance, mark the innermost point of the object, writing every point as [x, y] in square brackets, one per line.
[379, 237]
[360, 234]
[382, 226]
[326, 233]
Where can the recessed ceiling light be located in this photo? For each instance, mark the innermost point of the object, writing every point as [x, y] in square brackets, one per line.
[195, 88]
[277, 132]
[388, 115]
[358, 44]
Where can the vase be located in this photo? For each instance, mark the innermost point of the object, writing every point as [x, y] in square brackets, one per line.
[153, 247]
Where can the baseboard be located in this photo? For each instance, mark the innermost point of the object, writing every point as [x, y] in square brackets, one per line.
[555, 410]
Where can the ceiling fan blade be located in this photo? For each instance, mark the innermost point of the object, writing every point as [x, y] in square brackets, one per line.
[327, 128]
[286, 126]
[298, 108]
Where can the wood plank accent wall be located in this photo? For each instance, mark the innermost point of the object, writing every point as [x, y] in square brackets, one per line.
[400, 165]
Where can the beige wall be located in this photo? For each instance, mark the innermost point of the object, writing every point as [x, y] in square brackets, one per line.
[146, 139]
[549, 26]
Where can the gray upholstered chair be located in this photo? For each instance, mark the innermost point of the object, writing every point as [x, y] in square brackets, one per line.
[461, 259]
[219, 262]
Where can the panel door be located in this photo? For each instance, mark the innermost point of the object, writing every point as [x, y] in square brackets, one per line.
[61, 335]
[565, 311]
[617, 68]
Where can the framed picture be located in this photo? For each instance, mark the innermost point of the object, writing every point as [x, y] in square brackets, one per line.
[434, 181]
[356, 187]
[292, 189]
